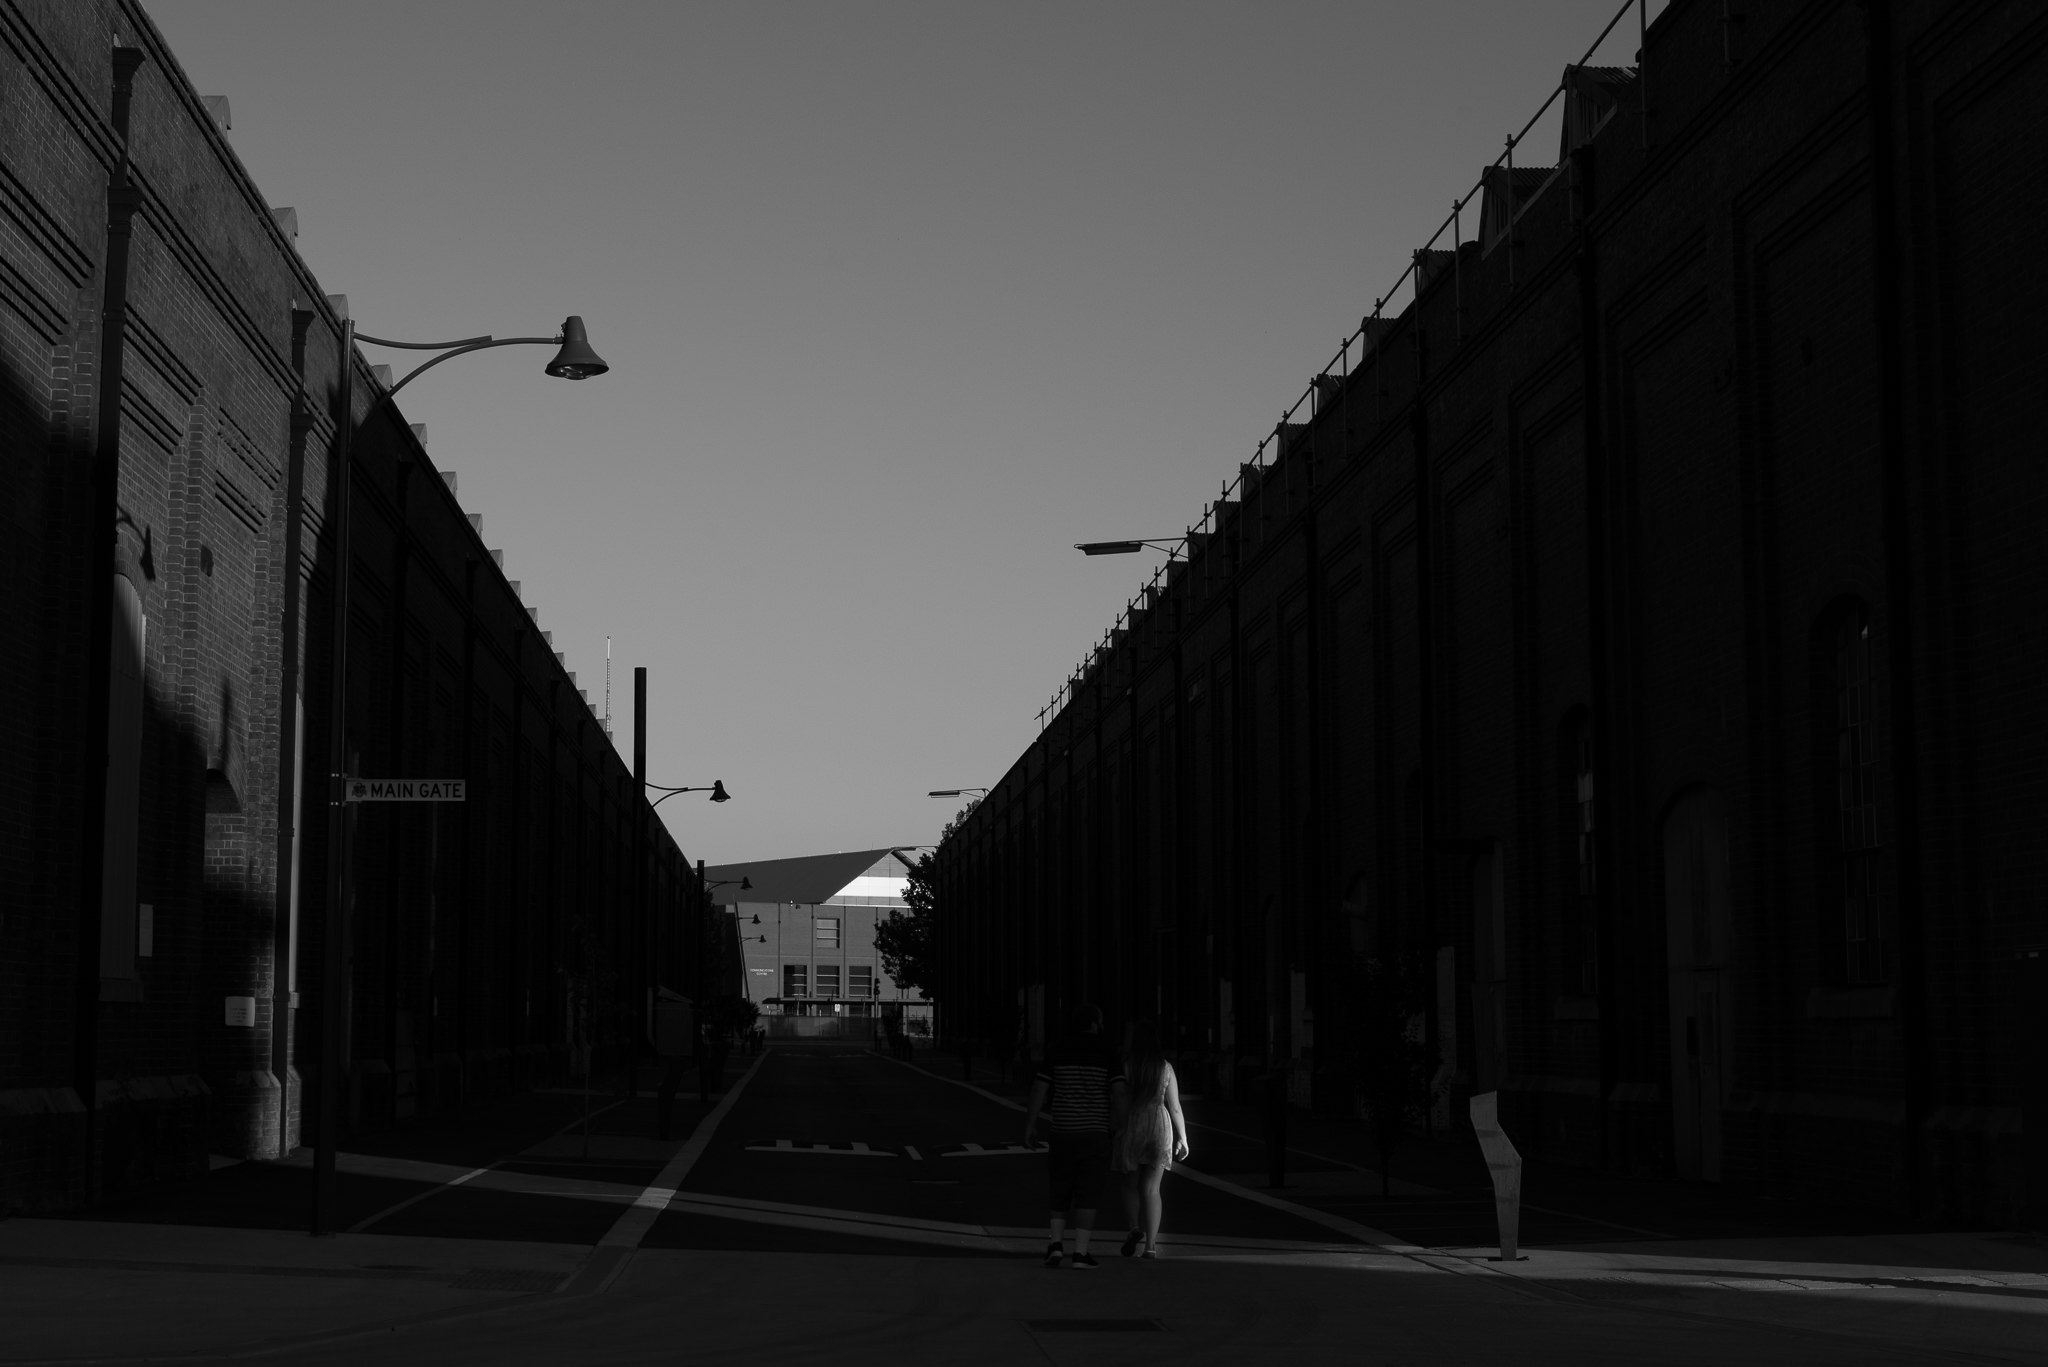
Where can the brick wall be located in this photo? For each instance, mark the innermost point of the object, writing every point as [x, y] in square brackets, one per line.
[1627, 486]
[229, 418]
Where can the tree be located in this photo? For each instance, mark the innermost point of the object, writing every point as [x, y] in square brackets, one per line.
[1388, 1049]
[903, 939]
[906, 941]
[726, 1018]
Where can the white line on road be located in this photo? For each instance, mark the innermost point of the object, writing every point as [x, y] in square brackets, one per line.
[915, 1156]
[633, 1224]
[990, 1151]
[855, 1150]
[1378, 1237]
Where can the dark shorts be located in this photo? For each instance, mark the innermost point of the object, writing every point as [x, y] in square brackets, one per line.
[1076, 1165]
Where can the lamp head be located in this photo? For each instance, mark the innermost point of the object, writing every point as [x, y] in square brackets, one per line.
[576, 361]
[718, 793]
[747, 885]
[1109, 547]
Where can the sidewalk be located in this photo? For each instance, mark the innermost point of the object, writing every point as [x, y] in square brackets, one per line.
[225, 1266]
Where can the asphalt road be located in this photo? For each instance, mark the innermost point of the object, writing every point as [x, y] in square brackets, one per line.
[839, 1206]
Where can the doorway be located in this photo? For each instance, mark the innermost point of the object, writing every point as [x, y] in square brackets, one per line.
[1696, 926]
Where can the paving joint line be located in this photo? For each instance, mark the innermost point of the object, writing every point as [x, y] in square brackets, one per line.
[362, 1226]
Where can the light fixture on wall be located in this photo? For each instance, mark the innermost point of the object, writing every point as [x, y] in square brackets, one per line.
[717, 791]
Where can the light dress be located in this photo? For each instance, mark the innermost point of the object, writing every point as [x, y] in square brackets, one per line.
[1147, 1136]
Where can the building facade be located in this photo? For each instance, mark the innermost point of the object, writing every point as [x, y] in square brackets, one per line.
[805, 933]
[1633, 643]
[171, 404]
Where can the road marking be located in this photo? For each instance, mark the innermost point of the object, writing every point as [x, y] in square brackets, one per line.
[411, 1172]
[915, 1156]
[854, 1149]
[969, 1150]
[1364, 1233]
[1017, 1239]
[616, 1249]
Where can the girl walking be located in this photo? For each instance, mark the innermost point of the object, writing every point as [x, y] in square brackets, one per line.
[1155, 1134]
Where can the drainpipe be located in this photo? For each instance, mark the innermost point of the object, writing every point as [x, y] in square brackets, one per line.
[1601, 726]
[285, 915]
[1889, 310]
[122, 200]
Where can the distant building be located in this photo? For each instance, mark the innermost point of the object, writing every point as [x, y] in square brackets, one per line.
[806, 932]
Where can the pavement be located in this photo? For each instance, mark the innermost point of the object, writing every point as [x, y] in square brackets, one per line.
[514, 1232]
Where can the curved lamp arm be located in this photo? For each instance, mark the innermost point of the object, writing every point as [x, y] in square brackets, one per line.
[1171, 545]
[468, 344]
[717, 791]
[575, 360]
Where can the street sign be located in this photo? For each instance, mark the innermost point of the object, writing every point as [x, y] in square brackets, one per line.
[407, 790]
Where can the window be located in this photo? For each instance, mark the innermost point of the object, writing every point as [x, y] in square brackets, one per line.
[860, 980]
[796, 980]
[828, 980]
[828, 932]
[1865, 924]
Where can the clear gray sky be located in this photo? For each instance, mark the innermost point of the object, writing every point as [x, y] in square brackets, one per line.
[901, 300]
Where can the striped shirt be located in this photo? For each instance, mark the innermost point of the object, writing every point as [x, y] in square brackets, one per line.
[1079, 1073]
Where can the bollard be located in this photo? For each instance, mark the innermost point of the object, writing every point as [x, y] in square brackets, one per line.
[1506, 1167]
[1276, 1127]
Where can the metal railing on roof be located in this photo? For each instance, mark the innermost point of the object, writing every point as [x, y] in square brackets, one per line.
[1369, 329]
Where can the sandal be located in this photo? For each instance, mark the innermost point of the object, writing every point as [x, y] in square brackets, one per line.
[1151, 1255]
[1137, 1236]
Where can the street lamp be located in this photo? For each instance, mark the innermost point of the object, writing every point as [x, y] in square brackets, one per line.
[957, 792]
[717, 791]
[574, 361]
[1171, 545]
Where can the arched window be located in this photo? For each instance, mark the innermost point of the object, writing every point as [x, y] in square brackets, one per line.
[118, 909]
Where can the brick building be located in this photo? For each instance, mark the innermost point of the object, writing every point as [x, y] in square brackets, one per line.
[1631, 633]
[170, 398]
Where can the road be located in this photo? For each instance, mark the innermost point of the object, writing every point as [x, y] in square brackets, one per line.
[840, 1206]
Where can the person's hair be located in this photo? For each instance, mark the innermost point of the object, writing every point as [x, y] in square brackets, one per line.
[1146, 1063]
[1084, 1017]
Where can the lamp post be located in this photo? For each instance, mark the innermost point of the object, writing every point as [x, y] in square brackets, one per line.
[573, 361]
[717, 791]
[1171, 545]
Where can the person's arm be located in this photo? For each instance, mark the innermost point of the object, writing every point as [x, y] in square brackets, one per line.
[1040, 1089]
[1180, 1123]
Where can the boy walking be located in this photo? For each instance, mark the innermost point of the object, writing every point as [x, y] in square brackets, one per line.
[1084, 1084]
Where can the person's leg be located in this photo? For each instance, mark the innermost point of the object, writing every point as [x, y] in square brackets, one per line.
[1093, 1171]
[1061, 1171]
[1149, 1198]
[1131, 1217]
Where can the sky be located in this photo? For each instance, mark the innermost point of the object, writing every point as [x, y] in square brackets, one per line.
[901, 301]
